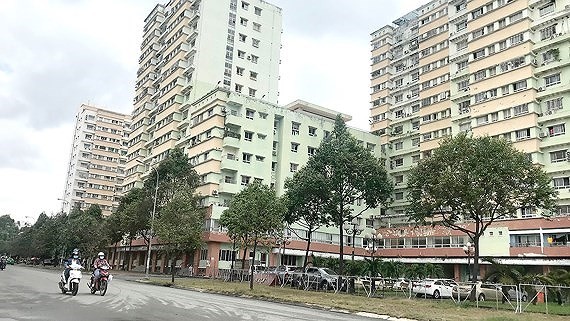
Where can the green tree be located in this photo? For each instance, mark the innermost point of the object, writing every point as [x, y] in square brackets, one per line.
[478, 179]
[351, 173]
[8, 231]
[305, 197]
[256, 214]
[180, 225]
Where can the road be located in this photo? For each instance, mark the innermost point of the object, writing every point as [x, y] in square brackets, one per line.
[32, 294]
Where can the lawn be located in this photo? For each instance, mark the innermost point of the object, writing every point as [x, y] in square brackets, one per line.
[392, 305]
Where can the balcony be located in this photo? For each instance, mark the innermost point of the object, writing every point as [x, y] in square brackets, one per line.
[231, 139]
[230, 163]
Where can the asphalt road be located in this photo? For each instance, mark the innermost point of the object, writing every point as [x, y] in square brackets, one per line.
[32, 294]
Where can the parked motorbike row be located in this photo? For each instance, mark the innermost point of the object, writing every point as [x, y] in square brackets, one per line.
[72, 284]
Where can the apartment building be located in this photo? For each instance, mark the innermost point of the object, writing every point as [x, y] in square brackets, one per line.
[189, 48]
[233, 140]
[487, 67]
[97, 161]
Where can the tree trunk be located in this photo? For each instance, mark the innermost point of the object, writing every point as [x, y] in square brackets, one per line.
[172, 266]
[252, 265]
[341, 252]
[128, 259]
[475, 269]
[307, 253]
[243, 258]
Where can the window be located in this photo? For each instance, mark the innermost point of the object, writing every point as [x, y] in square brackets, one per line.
[415, 159]
[252, 75]
[398, 179]
[520, 109]
[242, 37]
[243, 21]
[523, 134]
[241, 54]
[256, 26]
[399, 162]
[244, 5]
[516, 39]
[239, 71]
[293, 167]
[245, 180]
[254, 59]
[249, 114]
[227, 255]
[246, 158]
[481, 74]
[462, 44]
[475, 14]
[295, 128]
[515, 17]
[257, 11]
[399, 196]
[528, 212]
[461, 65]
[503, 45]
[552, 80]
[547, 32]
[203, 254]
[561, 182]
[554, 104]
[502, 23]
[248, 136]
[479, 54]
[294, 147]
[507, 113]
[312, 131]
[238, 88]
[311, 151]
[558, 156]
[416, 141]
[519, 85]
[399, 145]
[546, 9]
[465, 127]
[252, 92]
[255, 42]
[557, 130]
[482, 120]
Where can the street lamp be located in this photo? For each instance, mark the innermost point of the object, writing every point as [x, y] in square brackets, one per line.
[372, 250]
[147, 267]
[469, 249]
[353, 228]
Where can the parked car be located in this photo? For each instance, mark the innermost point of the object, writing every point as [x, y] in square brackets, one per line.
[10, 261]
[322, 278]
[436, 288]
[284, 272]
[401, 284]
[488, 291]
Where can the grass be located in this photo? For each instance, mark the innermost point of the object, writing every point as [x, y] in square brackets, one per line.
[392, 305]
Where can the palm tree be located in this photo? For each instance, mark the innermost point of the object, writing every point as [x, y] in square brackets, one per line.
[433, 270]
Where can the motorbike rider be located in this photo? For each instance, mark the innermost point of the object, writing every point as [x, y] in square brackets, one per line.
[99, 262]
[74, 258]
[3, 260]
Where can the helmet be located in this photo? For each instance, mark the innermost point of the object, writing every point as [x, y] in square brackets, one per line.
[101, 255]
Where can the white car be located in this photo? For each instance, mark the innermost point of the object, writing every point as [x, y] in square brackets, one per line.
[435, 288]
[401, 284]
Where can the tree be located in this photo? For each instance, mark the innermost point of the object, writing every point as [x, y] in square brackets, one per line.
[305, 198]
[8, 231]
[255, 214]
[468, 183]
[180, 225]
[351, 173]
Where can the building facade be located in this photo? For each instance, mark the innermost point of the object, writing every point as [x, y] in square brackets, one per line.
[96, 166]
[233, 140]
[188, 49]
[486, 67]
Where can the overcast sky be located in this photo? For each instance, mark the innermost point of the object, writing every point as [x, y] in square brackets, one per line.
[55, 55]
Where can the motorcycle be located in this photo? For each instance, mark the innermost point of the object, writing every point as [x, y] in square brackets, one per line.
[103, 282]
[2, 265]
[72, 284]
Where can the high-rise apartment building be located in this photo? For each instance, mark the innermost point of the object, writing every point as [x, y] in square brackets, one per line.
[189, 48]
[488, 67]
[97, 161]
[237, 140]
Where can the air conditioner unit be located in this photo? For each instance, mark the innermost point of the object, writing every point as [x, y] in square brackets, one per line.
[534, 62]
[214, 192]
[540, 89]
[543, 135]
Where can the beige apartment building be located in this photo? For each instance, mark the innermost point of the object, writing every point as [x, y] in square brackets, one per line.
[487, 67]
[97, 161]
[189, 48]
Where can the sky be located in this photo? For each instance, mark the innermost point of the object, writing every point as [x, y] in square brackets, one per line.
[57, 54]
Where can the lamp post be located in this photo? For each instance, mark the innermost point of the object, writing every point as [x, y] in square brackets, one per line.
[147, 267]
[469, 249]
[372, 250]
[353, 228]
